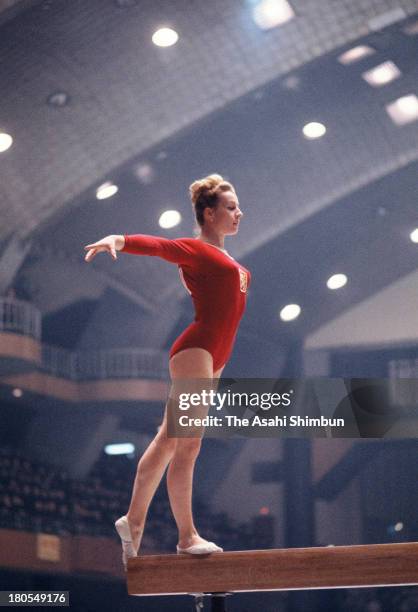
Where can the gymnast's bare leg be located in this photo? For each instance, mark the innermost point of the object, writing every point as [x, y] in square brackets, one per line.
[189, 363]
[180, 453]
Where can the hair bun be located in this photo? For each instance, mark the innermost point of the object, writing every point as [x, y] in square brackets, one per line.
[205, 187]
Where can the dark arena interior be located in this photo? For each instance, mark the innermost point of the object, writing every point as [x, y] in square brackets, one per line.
[109, 111]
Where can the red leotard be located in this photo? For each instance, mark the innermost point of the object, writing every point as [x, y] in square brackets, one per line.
[218, 286]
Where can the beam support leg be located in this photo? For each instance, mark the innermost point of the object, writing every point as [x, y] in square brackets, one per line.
[299, 508]
[218, 602]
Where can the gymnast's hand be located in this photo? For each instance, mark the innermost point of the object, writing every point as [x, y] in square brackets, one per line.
[109, 244]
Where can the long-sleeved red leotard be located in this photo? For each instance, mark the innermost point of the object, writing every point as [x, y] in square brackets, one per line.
[218, 286]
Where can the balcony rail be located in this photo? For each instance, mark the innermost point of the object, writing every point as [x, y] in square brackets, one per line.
[105, 364]
[403, 375]
[403, 368]
[20, 317]
[59, 362]
[122, 363]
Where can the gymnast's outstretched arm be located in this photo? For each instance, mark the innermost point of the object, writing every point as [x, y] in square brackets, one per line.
[179, 251]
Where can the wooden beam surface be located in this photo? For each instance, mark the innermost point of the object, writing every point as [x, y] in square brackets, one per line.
[273, 570]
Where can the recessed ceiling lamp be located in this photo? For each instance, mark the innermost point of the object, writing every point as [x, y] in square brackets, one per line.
[144, 172]
[411, 29]
[107, 190]
[290, 312]
[414, 235]
[58, 99]
[165, 37]
[355, 54]
[6, 142]
[403, 110]
[272, 13]
[291, 82]
[382, 74]
[169, 218]
[336, 281]
[314, 130]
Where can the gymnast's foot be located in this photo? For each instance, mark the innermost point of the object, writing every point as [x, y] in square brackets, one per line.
[130, 535]
[136, 530]
[195, 545]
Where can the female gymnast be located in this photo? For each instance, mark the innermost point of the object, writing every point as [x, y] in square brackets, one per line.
[218, 287]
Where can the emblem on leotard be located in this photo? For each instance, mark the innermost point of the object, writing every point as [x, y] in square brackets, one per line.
[243, 281]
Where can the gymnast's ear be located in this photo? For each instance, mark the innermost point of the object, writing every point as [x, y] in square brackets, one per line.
[208, 214]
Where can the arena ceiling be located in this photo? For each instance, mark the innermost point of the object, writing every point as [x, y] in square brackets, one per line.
[228, 98]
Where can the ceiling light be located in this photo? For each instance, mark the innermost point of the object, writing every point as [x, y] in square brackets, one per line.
[290, 312]
[6, 142]
[355, 54]
[403, 110]
[165, 37]
[292, 82]
[17, 392]
[58, 99]
[382, 74]
[336, 281]
[107, 190]
[144, 172]
[414, 235]
[125, 448]
[314, 130]
[411, 29]
[169, 218]
[271, 13]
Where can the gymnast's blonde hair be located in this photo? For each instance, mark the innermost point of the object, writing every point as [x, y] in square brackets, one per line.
[204, 194]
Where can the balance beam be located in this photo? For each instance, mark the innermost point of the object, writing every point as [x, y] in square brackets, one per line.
[275, 570]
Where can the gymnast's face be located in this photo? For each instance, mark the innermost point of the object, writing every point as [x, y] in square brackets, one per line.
[225, 218]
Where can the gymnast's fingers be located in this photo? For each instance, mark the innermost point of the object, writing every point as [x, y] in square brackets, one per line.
[91, 253]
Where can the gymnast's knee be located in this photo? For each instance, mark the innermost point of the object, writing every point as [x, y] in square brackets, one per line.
[163, 442]
[187, 449]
